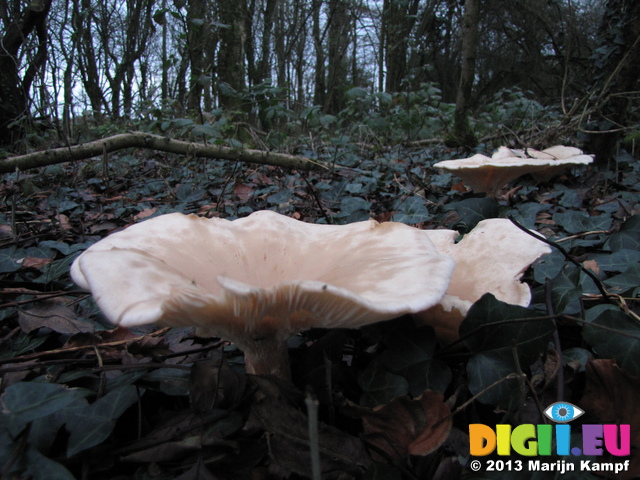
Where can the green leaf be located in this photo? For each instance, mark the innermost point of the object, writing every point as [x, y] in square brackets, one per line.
[56, 269]
[627, 283]
[410, 354]
[527, 213]
[474, 210]
[501, 333]
[379, 386]
[624, 347]
[487, 368]
[26, 401]
[172, 381]
[628, 236]
[354, 209]
[356, 92]
[40, 467]
[618, 261]
[186, 193]
[549, 266]
[11, 259]
[566, 290]
[576, 221]
[93, 424]
[412, 211]
[283, 196]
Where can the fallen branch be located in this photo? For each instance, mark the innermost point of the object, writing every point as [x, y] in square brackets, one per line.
[154, 142]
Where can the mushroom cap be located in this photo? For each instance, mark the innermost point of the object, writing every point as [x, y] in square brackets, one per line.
[484, 174]
[489, 259]
[265, 275]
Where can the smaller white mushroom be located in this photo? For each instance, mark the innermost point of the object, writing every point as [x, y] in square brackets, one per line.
[485, 174]
[258, 280]
[490, 259]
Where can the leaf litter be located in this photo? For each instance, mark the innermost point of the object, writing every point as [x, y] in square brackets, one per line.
[81, 399]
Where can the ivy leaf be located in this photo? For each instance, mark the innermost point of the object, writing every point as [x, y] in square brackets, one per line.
[628, 236]
[549, 266]
[27, 401]
[627, 283]
[379, 386]
[575, 221]
[501, 333]
[410, 354]
[93, 424]
[618, 261]
[566, 290]
[487, 368]
[527, 213]
[624, 347]
[474, 210]
[412, 211]
[11, 259]
[56, 269]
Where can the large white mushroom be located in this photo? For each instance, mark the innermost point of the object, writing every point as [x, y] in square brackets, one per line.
[490, 259]
[490, 174]
[256, 281]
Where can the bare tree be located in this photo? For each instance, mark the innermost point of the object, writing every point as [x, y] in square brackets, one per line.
[616, 73]
[462, 134]
[231, 55]
[320, 86]
[398, 19]
[14, 89]
[338, 44]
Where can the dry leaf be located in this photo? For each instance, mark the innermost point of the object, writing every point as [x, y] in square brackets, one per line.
[63, 221]
[214, 384]
[405, 427]
[243, 191]
[611, 396]
[35, 262]
[48, 314]
[147, 212]
[288, 439]
[592, 265]
[384, 217]
[459, 187]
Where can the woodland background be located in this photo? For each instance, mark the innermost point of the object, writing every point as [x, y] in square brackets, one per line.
[72, 64]
[372, 94]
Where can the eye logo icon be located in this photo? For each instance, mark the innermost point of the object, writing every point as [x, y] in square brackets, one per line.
[563, 412]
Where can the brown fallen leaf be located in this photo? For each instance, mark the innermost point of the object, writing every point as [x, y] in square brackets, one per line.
[407, 426]
[592, 265]
[147, 212]
[611, 396]
[214, 384]
[243, 191]
[35, 262]
[340, 453]
[49, 314]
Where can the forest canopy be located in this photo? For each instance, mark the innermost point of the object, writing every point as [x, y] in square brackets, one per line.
[70, 63]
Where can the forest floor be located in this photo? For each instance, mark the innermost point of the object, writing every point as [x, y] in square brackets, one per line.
[84, 400]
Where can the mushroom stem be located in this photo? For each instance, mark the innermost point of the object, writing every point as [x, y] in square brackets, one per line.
[268, 356]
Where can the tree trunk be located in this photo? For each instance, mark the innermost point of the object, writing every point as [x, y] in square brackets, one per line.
[231, 55]
[339, 31]
[83, 20]
[616, 73]
[320, 86]
[14, 91]
[398, 19]
[196, 39]
[462, 134]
